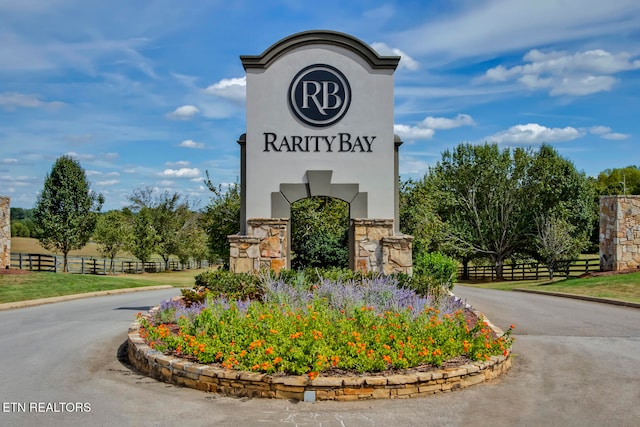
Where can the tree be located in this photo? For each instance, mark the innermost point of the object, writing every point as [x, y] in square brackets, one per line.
[144, 239]
[556, 243]
[560, 200]
[168, 213]
[112, 234]
[619, 181]
[192, 241]
[66, 210]
[476, 191]
[320, 233]
[490, 199]
[221, 218]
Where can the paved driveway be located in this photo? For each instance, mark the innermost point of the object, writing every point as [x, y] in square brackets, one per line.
[577, 364]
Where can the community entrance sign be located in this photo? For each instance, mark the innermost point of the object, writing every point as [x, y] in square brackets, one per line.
[319, 123]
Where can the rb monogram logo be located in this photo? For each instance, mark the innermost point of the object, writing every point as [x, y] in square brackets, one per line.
[319, 95]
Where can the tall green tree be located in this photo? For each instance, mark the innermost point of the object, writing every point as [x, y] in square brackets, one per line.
[477, 192]
[192, 241]
[112, 234]
[144, 240]
[619, 181]
[221, 218]
[490, 199]
[65, 213]
[168, 212]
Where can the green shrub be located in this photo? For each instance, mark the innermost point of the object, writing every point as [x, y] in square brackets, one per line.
[216, 283]
[433, 274]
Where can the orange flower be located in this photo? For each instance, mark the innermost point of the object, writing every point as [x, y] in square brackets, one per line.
[269, 350]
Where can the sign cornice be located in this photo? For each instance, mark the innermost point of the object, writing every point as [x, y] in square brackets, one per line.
[324, 37]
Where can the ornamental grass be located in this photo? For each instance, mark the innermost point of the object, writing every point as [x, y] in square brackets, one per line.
[368, 325]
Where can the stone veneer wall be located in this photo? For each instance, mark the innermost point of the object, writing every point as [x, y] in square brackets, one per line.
[374, 247]
[377, 249]
[5, 232]
[264, 248]
[619, 232]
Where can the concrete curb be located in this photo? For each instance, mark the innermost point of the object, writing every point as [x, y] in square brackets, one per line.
[42, 301]
[581, 297]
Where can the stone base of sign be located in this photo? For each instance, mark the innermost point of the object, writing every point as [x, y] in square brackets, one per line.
[5, 233]
[264, 248]
[374, 247]
[377, 249]
[619, 233]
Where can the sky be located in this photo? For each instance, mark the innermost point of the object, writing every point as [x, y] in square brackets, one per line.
[152, 93]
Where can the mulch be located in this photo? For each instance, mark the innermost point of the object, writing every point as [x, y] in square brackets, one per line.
[14, 271]
[609, 273]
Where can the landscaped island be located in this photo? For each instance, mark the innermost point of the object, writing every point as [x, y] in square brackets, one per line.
[332, 325]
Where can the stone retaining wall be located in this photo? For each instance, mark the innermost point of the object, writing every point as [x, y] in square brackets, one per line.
[229, 382]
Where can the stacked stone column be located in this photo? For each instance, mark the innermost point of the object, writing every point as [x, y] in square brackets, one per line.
[5, 233]
[619, 233]
[265, 247]
[377, 249]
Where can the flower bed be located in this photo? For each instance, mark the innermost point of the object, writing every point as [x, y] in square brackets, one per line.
[370, 329]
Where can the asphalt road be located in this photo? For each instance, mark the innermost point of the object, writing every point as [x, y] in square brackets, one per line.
[576, 364]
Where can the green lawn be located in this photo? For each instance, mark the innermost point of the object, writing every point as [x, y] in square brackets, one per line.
[22, 287]
[623, 287]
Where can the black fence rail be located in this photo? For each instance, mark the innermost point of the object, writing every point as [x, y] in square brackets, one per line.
[531, 270]
[92, 265]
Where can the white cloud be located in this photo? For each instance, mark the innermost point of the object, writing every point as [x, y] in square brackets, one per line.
[441, 123]
[9, 161]
[427, 127]
[533, 133]
[616, 136]
[492, 27]
[107, 182]
[83, 157]
[413, 132]
[178, 164]
[606, 133]
[187, 143]
[184, 112]
[181, 173]
[561, 73]
[405, 60]
[234, 89]
[13, 101]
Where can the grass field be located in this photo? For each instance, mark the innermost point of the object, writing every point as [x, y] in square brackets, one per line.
[22, 287]
[27, 245]
[623, 287]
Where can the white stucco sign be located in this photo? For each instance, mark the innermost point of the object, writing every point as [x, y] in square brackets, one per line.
[319, 123]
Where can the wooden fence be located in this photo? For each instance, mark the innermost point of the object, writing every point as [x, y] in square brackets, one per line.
[531, 270]
[92, 265]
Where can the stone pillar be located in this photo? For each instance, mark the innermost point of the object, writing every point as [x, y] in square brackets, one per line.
[397, 254]
[5, 233]
[619, 233]
[265, 247]
[376, 248]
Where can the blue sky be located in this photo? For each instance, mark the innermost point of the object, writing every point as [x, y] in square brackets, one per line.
[151, 93]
